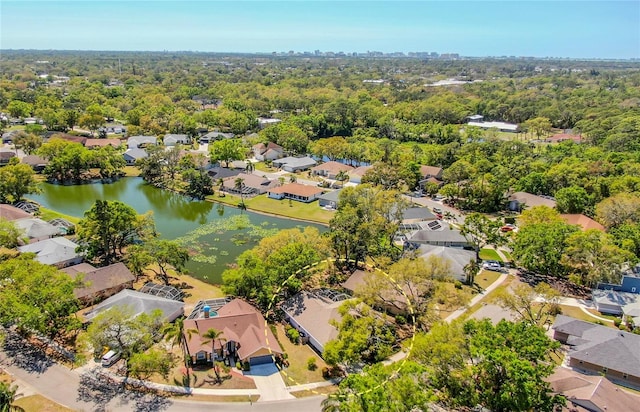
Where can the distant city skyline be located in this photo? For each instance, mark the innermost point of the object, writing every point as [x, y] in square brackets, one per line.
[564, 29]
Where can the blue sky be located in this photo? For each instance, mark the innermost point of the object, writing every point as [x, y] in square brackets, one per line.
[595, 29]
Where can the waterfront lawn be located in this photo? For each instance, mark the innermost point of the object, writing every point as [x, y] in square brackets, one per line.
[489, 254]
[295, 210]
[48, 214]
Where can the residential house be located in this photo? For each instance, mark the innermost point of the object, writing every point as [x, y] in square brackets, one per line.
[389, 300]
[269, 151]
[521, 200]
[311, 313]
[139, 303]
[65, 136]
[501, 126]
[100, 283]
[9, 212]
[295, 191]
[245, 334]
[57, 251]
[456, 257]
[294, 164]
[97, 143]
[591, 393]
[436, 233]
[6, 156]
[219, 172]
[583, 221]
[37, 163]
[135, 142]
[417, 214]
[175, 139]
[431, 171]
[331, 169]
[10, 136]
[612, 298]
[213, 136]
[252, 185]
[330, 199]
[264, 122]
[36, 229]
[355, 175]
[600, 349]
[131, 155]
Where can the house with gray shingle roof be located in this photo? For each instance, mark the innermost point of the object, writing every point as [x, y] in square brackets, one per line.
[174, 139]
[139, 303]
[601, 349]
[57, 251]
[131, 155]
[293, 164]
[135, 142]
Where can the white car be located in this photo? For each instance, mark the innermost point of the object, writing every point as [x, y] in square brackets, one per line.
[492, 265]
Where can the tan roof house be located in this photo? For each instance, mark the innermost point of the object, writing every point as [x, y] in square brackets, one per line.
[97, 143]
[355, 176]
[245, 335]
[431, 171]
[583, 221]
[251, 184]
[295, 191]
[331, 169]
[100, 283]
[269, 151]
[9, 212]
[592, 393]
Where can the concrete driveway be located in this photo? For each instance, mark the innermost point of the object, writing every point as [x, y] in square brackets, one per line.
[269, 383]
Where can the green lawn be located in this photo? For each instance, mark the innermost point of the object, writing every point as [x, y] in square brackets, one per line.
[489, 254]
[485, 278]
[48, 214]
[507, 255]
[261, 166]
[39, 403]
[297, 373]
[296, 210]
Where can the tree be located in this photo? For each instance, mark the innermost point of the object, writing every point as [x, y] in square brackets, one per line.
[532, 305]
[572, 199]
[501, 367]
[539, 246]
[120, 329]
[144, 365]
[10, 235]
[28, 143]
[539, 125]
[342, 177]
[16, 181]
[261, 271]
[162, 253]
[592, 257]
[8, 395]
[19, 108]
[37, 297]
[619, 209]
[199, 184]
[365, 223]
[109, 226]
[226, 150]
[481, 231]
[362, 336]
[175, 334]
[210, 336]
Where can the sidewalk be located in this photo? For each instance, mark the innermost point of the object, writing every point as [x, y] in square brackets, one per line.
[455, 315]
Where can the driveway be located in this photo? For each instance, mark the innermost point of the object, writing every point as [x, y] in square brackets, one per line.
[269, 383]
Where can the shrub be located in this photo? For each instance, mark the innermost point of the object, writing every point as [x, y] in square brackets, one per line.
[293, 335]
[457, 284]
[555, 309]
[401, 320]
[311, 364]
[246, 366]
[617, 322]
[238, 365]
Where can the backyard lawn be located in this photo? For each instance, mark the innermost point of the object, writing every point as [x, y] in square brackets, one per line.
[489, 254]
[292, 209]
[486, 278]
[48, 214]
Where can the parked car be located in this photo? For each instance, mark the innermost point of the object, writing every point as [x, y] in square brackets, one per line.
[437, 210]
[110, 358]
[507, 228]
[492, 265]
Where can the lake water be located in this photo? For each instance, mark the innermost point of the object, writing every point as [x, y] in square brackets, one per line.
[215, 234]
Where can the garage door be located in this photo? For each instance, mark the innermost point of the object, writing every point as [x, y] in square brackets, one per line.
[260, 360]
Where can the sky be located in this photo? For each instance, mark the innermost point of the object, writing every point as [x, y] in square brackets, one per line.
[560, 28]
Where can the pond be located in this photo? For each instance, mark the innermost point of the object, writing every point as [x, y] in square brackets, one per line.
[215, 234]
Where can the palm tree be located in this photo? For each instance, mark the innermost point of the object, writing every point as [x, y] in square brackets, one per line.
[220, 186]
[331, 403]
[250, 167]
[292, 178]
[8, 394]
[210, 336]
[342, 177]
[239, 185]
[175, 334]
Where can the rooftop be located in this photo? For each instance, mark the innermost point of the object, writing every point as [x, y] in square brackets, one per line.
[297, 189]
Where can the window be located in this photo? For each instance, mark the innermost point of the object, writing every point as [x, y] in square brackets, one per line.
[605, 370]
[201, 356]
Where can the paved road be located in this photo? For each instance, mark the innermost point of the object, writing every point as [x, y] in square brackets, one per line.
[458, 218]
